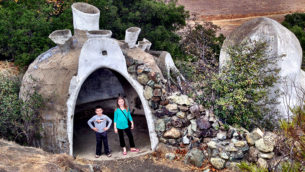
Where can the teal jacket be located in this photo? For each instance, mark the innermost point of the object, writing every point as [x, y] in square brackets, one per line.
[120, 119]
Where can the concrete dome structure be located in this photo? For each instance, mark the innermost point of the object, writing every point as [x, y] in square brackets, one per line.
[87, 69]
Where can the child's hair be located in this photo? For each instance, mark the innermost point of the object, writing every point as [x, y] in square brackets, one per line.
[117, 102]
[98, 107]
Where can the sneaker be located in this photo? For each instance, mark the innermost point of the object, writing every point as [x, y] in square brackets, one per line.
[109, 155]
[97, 156]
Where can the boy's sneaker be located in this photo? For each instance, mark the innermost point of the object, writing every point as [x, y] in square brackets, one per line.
[109, 154]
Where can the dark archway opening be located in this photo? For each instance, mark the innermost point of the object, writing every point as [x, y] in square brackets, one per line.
[102, 88]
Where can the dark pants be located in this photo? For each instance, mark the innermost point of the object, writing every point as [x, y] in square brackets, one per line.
[130, 137]
[99, 138]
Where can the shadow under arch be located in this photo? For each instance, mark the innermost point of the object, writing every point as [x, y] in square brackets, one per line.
[102, 87]
[90, 60]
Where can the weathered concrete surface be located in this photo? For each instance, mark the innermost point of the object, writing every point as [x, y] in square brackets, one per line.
[281, 42]
[85, 16]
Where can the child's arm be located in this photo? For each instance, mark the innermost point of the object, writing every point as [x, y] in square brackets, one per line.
[114, 121]
[130, 119]
[90, 123]
[109, 121]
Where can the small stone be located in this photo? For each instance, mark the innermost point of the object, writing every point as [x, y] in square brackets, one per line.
[239, 144]
[160, 125]
[185, 140]
[212, 145]
[172, 141]
[194, 157]
[223, 155]
[190, 116]
[131, 69]
[173, 133]
[157, 86]
[249, 139]
[172, 108]
[142, 78]
[260, 145]
[218, 163]
[235, 134]
[155, 99]
[270, 138]
[176, 122]
[206, 170]
[157, 92]
[140, 69]
[151, 83]
[257, 134]
[163, 140]
[189, 130]
[253, 154]
[215, 152]
[262, 163]
[201, 108]
[266, 155]
[236, 155]
[195, 109]
[233, 166]
[193, 124]
[164, 102]
[203, 124]
[221, 135]
[231, 148]
[215, 125]
[181, 99]
[148, 92]
[183, 108]
[181, 115]
[170, 156]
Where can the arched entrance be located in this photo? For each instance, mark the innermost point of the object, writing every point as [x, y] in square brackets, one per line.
[102, 88]
[100, 54]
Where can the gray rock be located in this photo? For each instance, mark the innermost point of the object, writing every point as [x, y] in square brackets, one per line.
[193, 124]
[183, 108]
[176, 122]
[172, 108]
[172, 141]
[249, 139]
[212, 145]
[266, 155]
[160, 125]
[218, 163]
[214, 152]
[195, 157]
[215, 125]
[157, 92]
[181, 115]
[221, 135]
[170, 156]
[280, 41]
[190, 116]
[143, 79]
[262, 163]
[195, 109]
[262, 146]
[181, 99]
[231, 148]
[253, 154]
[224, 155]
[239, 144]
[236, 155]
[173, 133]
[257, 134]
[203, 123]
[185, 140]
[148, 92]
[132, 69]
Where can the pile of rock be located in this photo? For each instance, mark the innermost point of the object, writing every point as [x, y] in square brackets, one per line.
[182, 123]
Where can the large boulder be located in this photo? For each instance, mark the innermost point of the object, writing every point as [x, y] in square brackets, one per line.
[282, 42]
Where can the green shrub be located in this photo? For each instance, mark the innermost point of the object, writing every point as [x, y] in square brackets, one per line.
[25, 25]
[294, 146]
[249, 167]
[19, 120]
[242, 86]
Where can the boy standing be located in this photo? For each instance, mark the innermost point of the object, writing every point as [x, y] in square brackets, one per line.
[100, 128]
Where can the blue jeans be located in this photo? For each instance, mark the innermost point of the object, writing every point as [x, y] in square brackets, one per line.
[99, 138]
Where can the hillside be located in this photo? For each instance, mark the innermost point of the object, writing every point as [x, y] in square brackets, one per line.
[229, 14]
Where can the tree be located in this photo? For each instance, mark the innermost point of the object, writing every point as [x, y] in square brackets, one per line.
[25, 25]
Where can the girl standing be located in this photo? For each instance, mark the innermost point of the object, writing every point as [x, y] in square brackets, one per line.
[121, 117]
